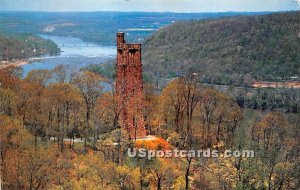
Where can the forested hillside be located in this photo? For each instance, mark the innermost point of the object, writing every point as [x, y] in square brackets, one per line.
[232, 50]
[24, 46]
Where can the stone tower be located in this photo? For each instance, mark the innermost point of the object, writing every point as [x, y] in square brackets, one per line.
[129, 87]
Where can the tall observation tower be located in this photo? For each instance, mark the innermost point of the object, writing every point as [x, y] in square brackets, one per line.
[129, 87]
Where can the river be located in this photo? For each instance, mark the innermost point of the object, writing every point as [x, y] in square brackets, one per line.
[74, 56]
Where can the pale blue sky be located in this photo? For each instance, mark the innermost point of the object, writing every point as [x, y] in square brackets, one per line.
[149, 5]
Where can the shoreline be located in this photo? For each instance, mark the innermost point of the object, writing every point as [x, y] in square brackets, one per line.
[286, 84]
[15, 63]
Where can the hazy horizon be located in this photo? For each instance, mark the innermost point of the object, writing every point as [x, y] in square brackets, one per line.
[20, 11]
[176, 6]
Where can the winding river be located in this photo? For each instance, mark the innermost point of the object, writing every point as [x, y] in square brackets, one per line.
[75, 53]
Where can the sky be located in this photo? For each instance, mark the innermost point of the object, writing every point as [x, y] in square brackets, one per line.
[150, 5]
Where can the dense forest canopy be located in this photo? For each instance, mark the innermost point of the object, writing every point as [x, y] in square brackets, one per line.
[228, 50]
[24, 46]
[60, 132]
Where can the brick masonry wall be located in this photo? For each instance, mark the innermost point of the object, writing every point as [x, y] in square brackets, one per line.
[129, 87]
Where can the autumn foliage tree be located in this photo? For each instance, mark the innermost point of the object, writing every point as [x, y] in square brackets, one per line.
[90, 86]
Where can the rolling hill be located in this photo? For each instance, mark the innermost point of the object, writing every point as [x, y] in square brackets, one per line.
[230, 50]
[21, 46]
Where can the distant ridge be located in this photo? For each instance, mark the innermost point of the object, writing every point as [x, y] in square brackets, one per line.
[230, 50]
[100, 26]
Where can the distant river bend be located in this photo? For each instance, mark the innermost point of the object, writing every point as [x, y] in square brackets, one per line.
[73, 56]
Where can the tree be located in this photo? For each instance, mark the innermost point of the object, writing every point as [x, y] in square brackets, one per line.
[63, 73]
[115, 146]
[9, 78]
[8, 101]
[29, 107]
[172, 103]
[163, 172]
[90, 86]
[22, 166]
[104, 116]
[40, 77]
[270, 135]
[151, 107]
[59, 102]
